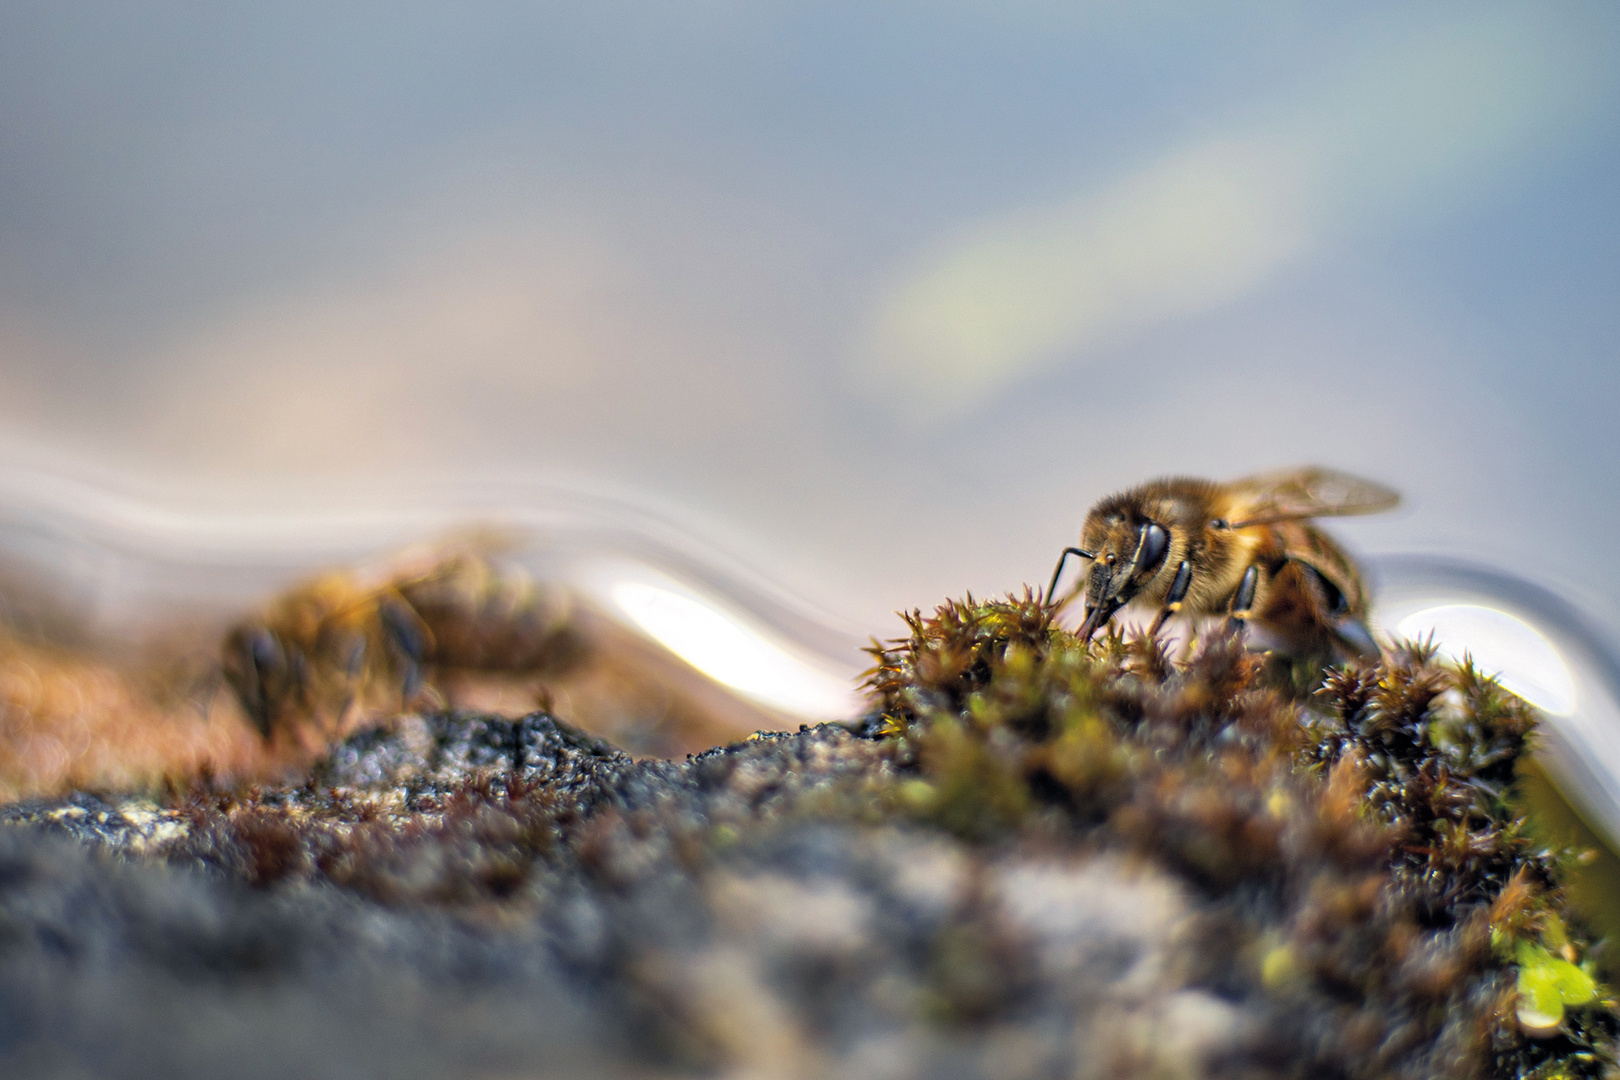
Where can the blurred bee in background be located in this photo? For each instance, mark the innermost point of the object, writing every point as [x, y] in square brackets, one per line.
[453, 627]
[1245, 550]
[354, 643]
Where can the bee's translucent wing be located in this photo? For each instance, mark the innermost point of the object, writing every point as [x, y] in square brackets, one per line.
[1307, 493]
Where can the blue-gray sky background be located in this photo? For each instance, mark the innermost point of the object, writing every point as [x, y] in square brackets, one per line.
[880, 298]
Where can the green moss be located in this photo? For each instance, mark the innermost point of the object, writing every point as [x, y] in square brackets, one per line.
[1547, 985]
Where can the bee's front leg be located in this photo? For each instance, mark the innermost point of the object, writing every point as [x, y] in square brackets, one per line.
[1172, 599]
[1051, 590]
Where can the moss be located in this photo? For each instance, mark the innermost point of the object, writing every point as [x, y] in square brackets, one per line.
[1368, 838]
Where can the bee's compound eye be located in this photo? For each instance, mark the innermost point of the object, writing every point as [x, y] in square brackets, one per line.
[1155, 541]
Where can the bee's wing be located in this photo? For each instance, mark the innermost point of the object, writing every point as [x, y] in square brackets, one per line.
[1307, 493]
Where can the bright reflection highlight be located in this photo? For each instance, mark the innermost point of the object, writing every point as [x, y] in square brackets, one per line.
[1522, 658]
[732, 653]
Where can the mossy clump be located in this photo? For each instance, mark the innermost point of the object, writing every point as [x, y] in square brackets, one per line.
[1364, 845]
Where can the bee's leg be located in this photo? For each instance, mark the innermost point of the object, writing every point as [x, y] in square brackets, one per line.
[1237, 616]
[1172, 600]
[1051, 589]
[1354, 635]
[410, 639]
[258, 668]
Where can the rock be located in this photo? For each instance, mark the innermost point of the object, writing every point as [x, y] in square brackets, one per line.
[1036, 859]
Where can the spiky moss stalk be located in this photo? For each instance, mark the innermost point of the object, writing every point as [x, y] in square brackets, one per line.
[1365, 843]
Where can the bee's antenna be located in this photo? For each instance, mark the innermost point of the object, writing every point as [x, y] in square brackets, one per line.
[1051, 590]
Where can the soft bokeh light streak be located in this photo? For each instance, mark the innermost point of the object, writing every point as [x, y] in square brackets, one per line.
[1504, 645]
[728, 650]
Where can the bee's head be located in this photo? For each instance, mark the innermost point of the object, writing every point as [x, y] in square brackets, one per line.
[1127, 551]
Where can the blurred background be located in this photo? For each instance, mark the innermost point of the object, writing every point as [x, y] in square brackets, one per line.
[864, 305]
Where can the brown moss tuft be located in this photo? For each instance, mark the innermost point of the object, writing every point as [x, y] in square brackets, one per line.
[949, 654]
[1366, 841]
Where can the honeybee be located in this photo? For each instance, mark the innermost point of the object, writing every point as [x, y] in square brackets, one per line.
[350, 643]
[1244, 549]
